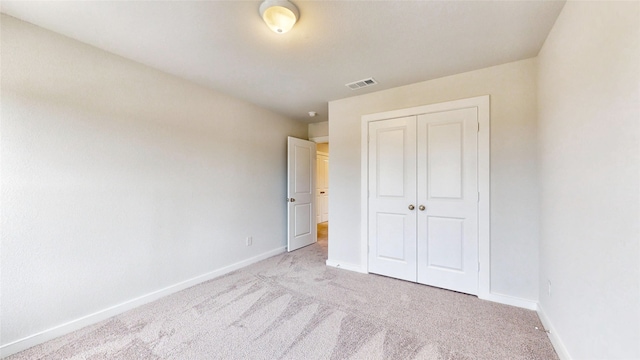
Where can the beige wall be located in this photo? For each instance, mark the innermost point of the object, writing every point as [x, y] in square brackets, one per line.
[119, 180]
[320, 129]
[589, 126]
[514, 193]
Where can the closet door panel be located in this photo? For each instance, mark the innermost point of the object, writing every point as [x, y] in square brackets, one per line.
[392, 189]
[446, 243]
[444, 162]
[448, 190]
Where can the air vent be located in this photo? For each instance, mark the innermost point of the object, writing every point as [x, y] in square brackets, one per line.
[361, 83]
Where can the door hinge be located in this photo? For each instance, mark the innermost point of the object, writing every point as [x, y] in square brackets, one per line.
[478, 266]
[478, 127]
[478, 196]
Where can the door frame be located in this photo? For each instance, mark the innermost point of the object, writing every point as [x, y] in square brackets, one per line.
[482, 104]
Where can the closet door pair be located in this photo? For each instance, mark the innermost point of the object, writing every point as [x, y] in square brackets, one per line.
[423, 199]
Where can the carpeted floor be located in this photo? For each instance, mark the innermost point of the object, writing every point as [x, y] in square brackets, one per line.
[292, 306]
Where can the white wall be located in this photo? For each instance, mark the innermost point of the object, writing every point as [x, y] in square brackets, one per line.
[514, 193]
[589, 126]
[119, 180]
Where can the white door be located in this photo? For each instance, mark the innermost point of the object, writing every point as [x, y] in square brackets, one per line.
[448, 200]
[301, 177]
[423, 199]
[322, 192]
[392, 196]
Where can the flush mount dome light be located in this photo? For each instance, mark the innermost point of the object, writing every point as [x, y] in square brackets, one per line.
[280, 15]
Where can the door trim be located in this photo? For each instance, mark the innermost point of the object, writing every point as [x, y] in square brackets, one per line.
[482, 103]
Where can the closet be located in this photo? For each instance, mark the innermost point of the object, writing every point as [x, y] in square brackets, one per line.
[322, 187]
[422, 209]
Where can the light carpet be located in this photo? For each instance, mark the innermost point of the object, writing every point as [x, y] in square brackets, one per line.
[292, 306]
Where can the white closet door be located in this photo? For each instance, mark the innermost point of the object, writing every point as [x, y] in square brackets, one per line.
[392, 190]
[448, 190]
[325, 197]
[322, 191]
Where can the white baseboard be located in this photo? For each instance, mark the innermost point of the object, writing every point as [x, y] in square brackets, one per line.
[62, 329]
[557, 343]
[510, 300]
[346, 266]
[499, 298]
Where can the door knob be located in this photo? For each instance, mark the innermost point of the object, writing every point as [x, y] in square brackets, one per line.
[291, 200]
[421, 207]
[411, 207]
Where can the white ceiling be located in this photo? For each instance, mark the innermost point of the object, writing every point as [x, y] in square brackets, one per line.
[226, 46]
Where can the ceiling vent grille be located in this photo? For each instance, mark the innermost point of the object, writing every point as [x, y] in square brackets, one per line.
[361, 83]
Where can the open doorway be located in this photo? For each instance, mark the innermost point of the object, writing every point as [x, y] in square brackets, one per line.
[322, 192]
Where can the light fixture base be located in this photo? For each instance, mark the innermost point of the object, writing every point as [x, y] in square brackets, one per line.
[279, 15]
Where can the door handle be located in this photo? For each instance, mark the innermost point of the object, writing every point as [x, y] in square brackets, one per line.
[411, 207]
[291, 200]
[321, 192]
[421, 207]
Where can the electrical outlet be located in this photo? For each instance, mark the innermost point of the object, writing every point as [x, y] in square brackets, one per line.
[249, 240]
[549, 287]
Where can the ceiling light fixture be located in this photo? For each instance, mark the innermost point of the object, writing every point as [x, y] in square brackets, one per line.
[280, 15]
